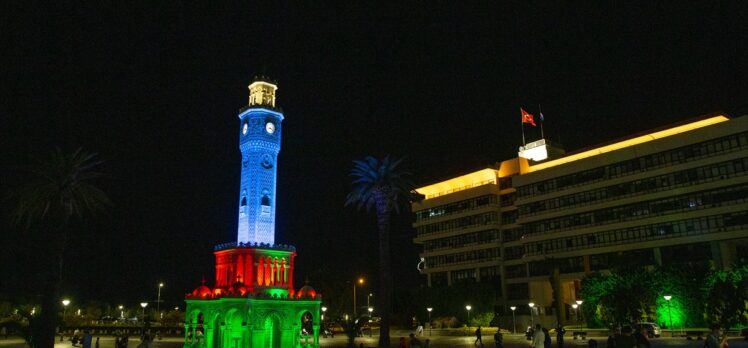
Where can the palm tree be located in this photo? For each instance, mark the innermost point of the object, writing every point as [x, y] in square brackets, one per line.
[381, 185]
[59, 193]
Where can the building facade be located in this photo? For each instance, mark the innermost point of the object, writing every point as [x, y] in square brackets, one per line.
[673, 195]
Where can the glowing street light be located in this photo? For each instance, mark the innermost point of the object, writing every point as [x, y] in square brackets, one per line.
[368, 300]
[324, 309]
[65, 304]
[360, 281]
[121, 311]
[581, 313]
[532, 317]
[158, 300]
[370, 309]
[575, 306]
[667, 299]
[429, 310]
[468, 307]
[143, 304]
[514, 322]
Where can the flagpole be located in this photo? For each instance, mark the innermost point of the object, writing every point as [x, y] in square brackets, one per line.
[522, 125]
[541, 122]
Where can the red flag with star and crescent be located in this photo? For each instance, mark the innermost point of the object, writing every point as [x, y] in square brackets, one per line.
[527, 117]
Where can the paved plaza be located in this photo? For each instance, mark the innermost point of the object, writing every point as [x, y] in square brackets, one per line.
[510, 341]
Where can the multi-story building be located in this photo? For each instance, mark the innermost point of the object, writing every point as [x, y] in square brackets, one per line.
[671, 195]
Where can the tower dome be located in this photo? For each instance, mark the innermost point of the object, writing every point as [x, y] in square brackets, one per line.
[306, 291]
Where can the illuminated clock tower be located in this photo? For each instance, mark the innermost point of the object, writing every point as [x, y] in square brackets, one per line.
[253, 302]
[259, 142]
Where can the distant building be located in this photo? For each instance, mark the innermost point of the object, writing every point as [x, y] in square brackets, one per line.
[672, 195]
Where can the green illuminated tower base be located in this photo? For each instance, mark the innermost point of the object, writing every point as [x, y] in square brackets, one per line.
[264, 311]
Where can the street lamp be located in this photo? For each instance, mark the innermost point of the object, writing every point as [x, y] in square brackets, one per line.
[121, 311]
[143, 304]
[581, 313]
[468, 307]
[667, 299]
[368, 303]
[576, 311]
[65, 304]
[360, 281]
[324, 309]
[532, 318]
[429, 310]
[158, 300]
[514, 322]
[370, 309]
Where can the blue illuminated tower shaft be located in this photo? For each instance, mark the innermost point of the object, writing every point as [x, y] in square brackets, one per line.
[259, 142]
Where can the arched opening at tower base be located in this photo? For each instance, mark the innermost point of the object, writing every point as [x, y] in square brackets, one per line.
[272, 331]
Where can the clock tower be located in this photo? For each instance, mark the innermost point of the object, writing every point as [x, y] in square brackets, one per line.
[259, 142]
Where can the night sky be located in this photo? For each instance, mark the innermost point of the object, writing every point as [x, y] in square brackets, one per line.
[156, 90]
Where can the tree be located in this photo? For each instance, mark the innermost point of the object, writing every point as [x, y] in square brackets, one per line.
[383, 186]
[619, 298]
[727, 297]
[58, 195]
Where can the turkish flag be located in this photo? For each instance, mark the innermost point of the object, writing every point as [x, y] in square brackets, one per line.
[527, 117]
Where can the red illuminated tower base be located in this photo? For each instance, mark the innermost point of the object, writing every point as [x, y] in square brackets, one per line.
[253, 303]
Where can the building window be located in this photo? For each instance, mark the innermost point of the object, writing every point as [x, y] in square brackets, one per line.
[463, 276]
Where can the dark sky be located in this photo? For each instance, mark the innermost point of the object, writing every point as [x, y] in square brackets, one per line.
[155, 91]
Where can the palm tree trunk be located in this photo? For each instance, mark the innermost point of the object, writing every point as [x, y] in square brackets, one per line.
[45, 336]
[384, 209]
[48, 320]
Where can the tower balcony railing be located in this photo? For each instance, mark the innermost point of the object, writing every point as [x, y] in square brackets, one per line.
[232, 245]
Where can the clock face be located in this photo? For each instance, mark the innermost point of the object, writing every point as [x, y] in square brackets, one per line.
[270, 127]
[245, 127]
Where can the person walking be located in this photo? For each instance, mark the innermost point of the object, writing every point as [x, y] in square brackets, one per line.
[414, 341]
[547, 343]
[478, 337]
[538, 338]
[498, 338]
[560, 331]
[87, 339]
[712, 340]
[642, 338]
[625, 340]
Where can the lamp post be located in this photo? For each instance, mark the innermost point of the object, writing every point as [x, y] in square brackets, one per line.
[581, 313]
[121, 311]
[65, 304]
[429, 310]
[370, 309]
[324, 309]
[514, 322]
[143, 304]
[368, 298]
[158, 300]
[667, 299]
[532, 318]
[361, 282]
[468, 307]
[576, 311]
